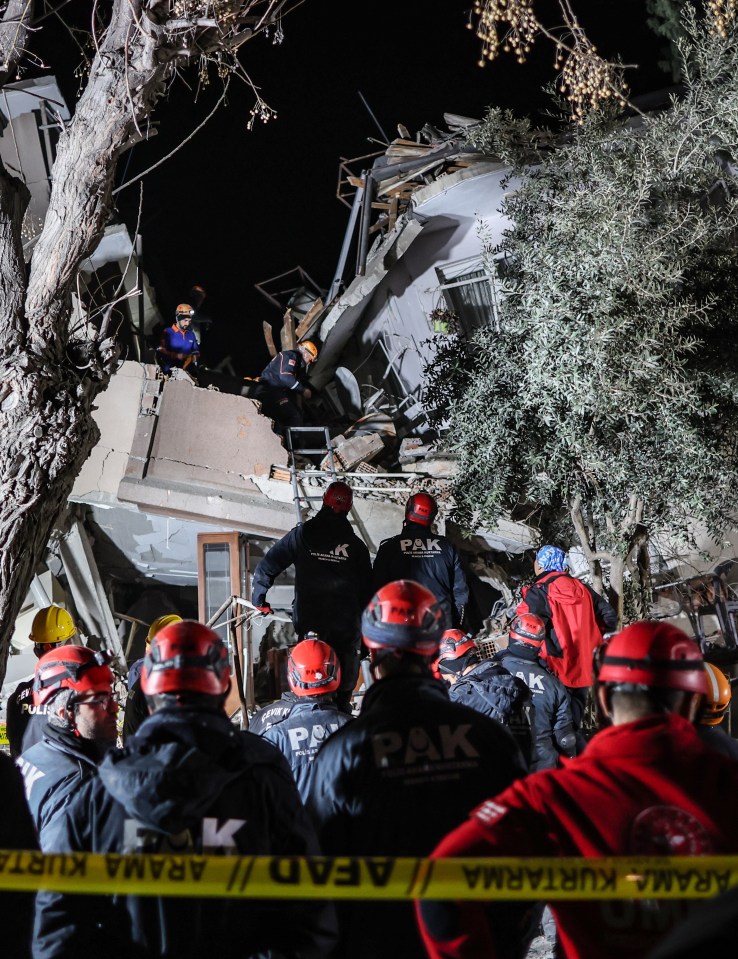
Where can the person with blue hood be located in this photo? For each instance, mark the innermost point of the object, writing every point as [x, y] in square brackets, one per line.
[576, 619]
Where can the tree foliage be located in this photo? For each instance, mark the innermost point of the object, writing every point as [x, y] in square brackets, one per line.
[611, 389]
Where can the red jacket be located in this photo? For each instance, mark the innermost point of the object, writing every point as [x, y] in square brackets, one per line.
[575, 617]
[649, 787]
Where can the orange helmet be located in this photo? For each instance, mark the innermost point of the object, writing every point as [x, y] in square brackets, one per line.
[718, 696]
[310, 348]
[184, 309]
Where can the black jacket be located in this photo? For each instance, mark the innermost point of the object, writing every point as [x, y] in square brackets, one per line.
[300, 734]
[136, 709]
[272, 713]
[26, 722]
[431, 560]
[490, 689]
[16, 832]
[285, 372]
[718, 739]
[394, 782]
[188, 782]
[549, 714]
[332, 576]
[53, 772]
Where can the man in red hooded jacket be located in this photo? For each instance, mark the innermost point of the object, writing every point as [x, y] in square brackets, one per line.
[576, 619]
[647, 785]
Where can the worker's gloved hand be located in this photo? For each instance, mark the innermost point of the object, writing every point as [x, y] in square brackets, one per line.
[307, 393]
[266, 610]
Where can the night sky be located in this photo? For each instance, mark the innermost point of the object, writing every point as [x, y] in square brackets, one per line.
[235, 207]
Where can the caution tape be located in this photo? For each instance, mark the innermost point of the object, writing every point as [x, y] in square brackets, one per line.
[284, 877]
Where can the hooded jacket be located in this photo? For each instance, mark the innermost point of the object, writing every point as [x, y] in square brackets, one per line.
[332, 576]
[649, 787]
[392, 782]
[53, 771]
[430, 559]
[188, 782]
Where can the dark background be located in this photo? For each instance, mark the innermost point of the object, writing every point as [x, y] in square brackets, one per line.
[234, 207]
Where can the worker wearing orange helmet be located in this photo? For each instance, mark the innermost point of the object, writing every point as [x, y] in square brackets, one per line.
[711, 726]
[283, 380]
[179, 347]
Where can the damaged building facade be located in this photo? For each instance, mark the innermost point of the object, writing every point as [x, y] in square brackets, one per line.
[188, 486]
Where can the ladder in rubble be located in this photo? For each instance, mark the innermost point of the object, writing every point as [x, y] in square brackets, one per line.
[324, 448]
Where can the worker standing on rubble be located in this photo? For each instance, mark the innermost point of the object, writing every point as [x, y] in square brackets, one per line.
[314, 675]
[424, 557]
[647, 785]
[390, 782]
[332, 581]
[283, 380]
[576, 619]
[190, 784]
[52, 627]
[179, 347]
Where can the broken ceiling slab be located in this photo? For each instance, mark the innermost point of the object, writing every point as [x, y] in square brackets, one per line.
[345, 314]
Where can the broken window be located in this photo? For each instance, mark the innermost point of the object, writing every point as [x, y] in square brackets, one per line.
[471, 292]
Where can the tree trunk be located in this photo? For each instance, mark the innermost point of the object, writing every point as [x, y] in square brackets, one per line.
[49, 376]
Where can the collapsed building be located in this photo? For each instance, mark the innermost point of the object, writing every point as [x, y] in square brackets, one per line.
[189, 486]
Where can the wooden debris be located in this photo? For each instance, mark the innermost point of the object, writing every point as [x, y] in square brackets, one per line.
[269, 338]
[288, 331]
[307, 320]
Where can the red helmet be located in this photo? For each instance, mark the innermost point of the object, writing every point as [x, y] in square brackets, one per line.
[528, 628]
[653, 654]
[421, 508]
[70, 667]
[313, 669]
[186, 657]
[403, 616]
[455, 643]
[338, 497]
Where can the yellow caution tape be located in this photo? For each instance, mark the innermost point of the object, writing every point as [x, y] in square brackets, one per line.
[284, 877]
[4, 741]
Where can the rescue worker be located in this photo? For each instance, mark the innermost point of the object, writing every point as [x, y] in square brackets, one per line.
[576, 619]
[549, 711]
[188, 782]
[332, 581]
[483, 685]
[52, 626]
[314, 675]
[283, 380]
[424, 557]
[391, 782]
[75, 685]
[179, 347]
[646, 785]
[16, 833]
[715, 709]
[136, 709]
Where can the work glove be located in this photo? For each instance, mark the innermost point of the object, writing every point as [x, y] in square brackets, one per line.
[266, 610]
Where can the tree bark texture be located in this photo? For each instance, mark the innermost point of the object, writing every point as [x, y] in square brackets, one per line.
[50, 375]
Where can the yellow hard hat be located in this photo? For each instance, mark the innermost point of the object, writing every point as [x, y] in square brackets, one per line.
[310, 348]
[160, 623]
[718, 696]
[52, 625]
